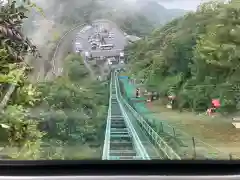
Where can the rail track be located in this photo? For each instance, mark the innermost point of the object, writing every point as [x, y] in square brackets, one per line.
[127, 136]
[121, 139]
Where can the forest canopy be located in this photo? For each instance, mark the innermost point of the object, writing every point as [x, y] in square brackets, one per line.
[46, 120]
[195, 57]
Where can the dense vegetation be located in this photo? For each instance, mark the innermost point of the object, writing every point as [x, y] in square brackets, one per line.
[195, 57]
[18, 131]
[137, 18]
[137, 25]
[129, 20]
[73, 111]
[63, 119]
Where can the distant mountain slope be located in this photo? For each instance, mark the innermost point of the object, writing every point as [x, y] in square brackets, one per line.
[136, 17]
[151, 9]
[157, 13]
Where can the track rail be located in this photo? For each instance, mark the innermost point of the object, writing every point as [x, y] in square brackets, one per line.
[167, 151]
[121, 139]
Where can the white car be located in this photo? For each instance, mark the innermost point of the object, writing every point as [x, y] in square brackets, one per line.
[94, 47]
[86, 54]
[109, 62]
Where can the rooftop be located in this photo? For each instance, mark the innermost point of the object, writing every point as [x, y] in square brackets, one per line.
[106, 53]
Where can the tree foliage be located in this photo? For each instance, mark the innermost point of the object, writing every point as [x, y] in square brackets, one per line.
[14, 46]
[20, 132]
[136, 24]
[195, 57]
[75, 109]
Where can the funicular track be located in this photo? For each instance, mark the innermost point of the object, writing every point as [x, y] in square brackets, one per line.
[121, 139]
[128, 136]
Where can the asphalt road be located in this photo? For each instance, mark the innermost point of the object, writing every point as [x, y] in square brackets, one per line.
[62, 51]
[118, 39]
[67, 45]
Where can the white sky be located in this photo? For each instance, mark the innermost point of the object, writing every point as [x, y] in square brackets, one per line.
[181, 4]
[4, 1]
[176, 4]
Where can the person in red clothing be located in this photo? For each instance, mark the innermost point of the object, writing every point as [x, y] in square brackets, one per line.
[214, 106]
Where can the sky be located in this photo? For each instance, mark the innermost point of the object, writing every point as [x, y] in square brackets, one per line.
[176, 4]
[4, 1]
[181, 4]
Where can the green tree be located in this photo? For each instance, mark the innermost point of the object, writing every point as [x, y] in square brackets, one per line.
[195, 57]
[77, 106]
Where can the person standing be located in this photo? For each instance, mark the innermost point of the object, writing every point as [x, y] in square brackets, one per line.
[137, 92]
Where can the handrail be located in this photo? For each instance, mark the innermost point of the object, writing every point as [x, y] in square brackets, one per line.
[106, 145]
[138, 146]
[162, 145]
[137, 142]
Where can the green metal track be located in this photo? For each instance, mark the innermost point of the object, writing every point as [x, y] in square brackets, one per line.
[121, 140]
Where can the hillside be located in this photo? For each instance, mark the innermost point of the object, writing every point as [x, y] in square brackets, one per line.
[157, 13]
[48, 120]
[138, 18]
[195, 57]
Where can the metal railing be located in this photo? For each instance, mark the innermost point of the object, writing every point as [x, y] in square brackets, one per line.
[186, 146]
[131, 133]
[106, 146]
[158, 141]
